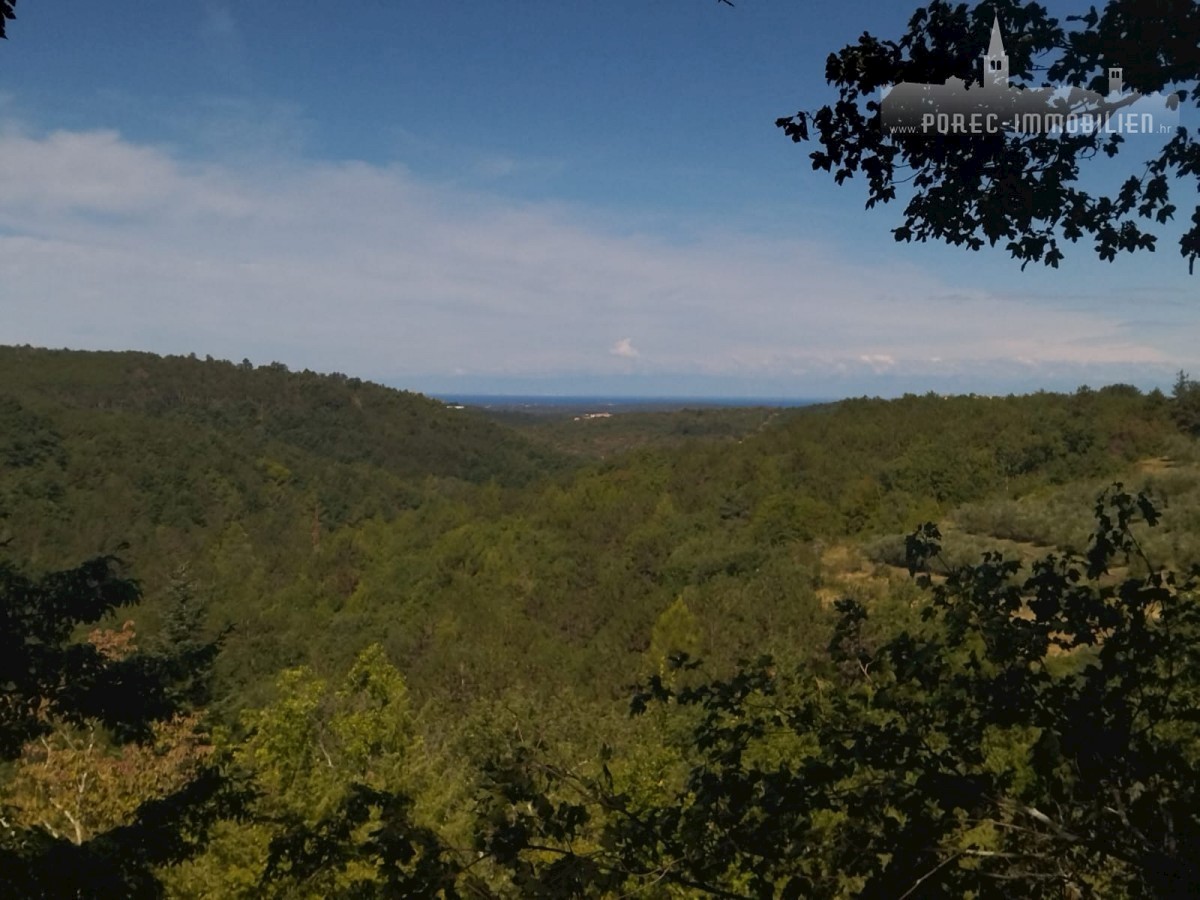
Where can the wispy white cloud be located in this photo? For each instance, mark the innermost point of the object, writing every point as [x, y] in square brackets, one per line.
[879, 362]
[624, 348]
[238, 131]
[343, 265]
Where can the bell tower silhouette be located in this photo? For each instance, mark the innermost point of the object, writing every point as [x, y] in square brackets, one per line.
[995, 61]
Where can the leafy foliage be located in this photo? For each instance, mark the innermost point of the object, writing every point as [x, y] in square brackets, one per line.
[410, 860]
[72, 786]
[44, 673]
[1021, 191]
[329, 770]
[123, 861]
[1186, 397]
[503, 619]
[1031, 736]
[80, 819]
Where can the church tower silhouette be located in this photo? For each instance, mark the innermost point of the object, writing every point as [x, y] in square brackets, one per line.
[995, 61]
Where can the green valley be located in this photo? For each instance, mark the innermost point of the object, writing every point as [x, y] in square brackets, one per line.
[419, 605]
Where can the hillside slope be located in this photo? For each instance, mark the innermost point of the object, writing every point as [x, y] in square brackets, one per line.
[320, 513]
[341, 419]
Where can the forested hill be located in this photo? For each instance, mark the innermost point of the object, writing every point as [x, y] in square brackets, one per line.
[340, 419]
[319, 512]
[423, 601]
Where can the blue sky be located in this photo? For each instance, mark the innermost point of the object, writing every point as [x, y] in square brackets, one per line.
[535, 197]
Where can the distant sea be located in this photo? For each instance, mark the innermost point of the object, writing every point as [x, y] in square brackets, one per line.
[549, 405]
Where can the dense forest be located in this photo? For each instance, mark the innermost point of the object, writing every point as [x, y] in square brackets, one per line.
[274, 633]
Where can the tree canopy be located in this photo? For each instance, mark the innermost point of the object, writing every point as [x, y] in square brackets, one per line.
[1023, 191]
[436, 621]
[1017, 735]
[77, 820]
